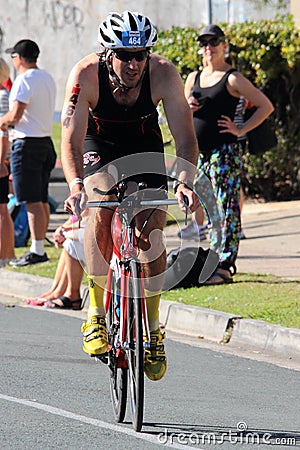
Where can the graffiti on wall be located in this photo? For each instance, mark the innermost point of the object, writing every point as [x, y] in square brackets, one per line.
[59, 15]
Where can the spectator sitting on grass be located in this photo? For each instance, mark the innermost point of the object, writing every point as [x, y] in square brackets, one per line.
[65, 290]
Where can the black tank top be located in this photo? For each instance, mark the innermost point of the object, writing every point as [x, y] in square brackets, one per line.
[126, 130]
[214, 102]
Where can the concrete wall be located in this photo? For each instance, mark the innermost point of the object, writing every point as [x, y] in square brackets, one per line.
[67, 30]
[295, 10]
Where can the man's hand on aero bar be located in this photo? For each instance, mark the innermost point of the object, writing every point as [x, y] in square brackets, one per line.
[186, 197]
[76, 203]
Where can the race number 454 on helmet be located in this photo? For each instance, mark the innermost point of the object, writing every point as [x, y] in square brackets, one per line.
[127, 30]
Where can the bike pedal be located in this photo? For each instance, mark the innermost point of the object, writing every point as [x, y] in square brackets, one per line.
[102, 358]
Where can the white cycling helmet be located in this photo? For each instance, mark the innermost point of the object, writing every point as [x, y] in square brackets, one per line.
[126, 30]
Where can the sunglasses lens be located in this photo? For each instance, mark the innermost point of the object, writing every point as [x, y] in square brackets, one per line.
[122, 56]
[214, 42]
[125, 56]
[142, 55]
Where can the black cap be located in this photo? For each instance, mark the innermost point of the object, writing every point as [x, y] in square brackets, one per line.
[211, 30]
[25, 48]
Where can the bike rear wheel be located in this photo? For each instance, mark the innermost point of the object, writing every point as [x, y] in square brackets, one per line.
[135, 352]
[116, 356]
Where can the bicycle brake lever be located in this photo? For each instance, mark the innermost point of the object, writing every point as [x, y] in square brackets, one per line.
[112, 191]
[186, 202]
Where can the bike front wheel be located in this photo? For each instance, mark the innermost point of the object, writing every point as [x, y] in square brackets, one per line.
[135, 352]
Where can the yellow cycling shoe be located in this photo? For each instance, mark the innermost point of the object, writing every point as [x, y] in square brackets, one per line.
[94, 336]
[155, 358]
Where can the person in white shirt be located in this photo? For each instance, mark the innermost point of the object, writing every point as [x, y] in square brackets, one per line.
[32, 101]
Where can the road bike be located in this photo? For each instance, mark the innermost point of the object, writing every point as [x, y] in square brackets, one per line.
[125, 303]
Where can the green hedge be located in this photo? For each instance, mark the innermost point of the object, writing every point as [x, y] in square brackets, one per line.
[268, 53]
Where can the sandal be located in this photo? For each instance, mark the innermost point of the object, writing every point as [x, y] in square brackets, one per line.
[67, 303]
[223, 278]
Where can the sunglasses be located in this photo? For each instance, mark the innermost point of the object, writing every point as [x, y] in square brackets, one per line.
[14, 55]
[214, 42]
[125, 56]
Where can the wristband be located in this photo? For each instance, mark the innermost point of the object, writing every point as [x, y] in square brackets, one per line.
[75, 181]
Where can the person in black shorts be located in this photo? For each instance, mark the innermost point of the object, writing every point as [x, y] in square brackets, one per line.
[32, 100]
[110, 130]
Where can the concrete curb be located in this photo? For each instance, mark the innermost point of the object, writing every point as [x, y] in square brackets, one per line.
[228, 329]
[193, 321]
[267, 336]
[23, 285]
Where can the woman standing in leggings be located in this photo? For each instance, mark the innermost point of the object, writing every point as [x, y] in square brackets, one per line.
[214, 95]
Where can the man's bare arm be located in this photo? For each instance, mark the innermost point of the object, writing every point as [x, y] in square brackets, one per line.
[74, 125]
[171, 89]
[179, 117]
[14, 116]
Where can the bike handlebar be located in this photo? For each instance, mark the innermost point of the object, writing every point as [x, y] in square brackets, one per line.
[119, 191]
[169, 201]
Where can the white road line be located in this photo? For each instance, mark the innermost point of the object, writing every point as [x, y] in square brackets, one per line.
[95, 422]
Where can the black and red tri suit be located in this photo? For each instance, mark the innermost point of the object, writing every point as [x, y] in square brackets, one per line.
[115, 131]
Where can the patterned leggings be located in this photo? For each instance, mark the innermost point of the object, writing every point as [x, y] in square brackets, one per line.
[223, 170]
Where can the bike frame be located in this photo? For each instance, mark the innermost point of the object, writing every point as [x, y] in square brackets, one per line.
[125, 249]
[128, 331]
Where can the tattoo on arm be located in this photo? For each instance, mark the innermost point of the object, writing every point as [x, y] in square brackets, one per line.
[72, 105]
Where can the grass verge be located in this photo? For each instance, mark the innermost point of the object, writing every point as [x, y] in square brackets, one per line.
[261, 297]
[56, 137]
[253, 296]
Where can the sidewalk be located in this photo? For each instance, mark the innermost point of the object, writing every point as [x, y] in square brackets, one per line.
[273, 239]
[272, 246]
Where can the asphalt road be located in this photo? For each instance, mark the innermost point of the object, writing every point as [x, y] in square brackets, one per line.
[53, 396]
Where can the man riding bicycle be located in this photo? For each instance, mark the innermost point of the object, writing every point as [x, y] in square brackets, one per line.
[110, 112]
